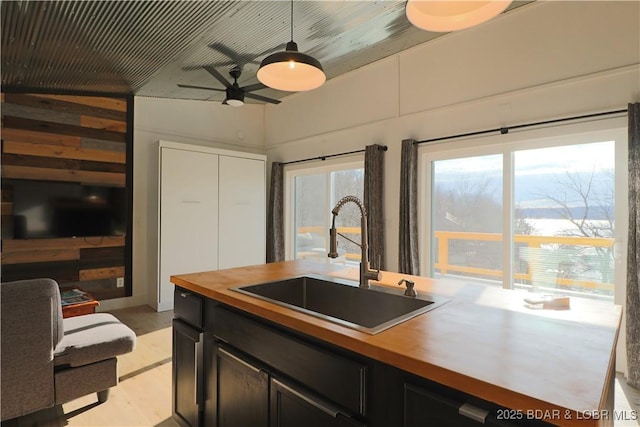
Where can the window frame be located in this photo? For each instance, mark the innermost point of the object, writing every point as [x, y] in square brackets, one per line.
[293, 171]
[553, 136]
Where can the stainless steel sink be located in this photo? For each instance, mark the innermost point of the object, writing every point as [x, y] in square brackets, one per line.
[341, 301]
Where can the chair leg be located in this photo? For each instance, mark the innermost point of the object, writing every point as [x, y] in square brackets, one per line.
[103, 395]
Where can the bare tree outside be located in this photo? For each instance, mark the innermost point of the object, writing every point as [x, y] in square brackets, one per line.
[585, 201]
[567, 194]
[467, 199]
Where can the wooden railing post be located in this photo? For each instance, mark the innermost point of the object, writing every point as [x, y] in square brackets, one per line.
[443, 252]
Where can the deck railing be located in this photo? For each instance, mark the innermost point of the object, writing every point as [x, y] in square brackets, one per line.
[526, 244]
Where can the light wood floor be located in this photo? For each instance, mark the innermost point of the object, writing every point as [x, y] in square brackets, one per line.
[143, 397]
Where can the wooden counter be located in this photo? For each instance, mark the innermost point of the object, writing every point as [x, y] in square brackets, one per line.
[484, 342]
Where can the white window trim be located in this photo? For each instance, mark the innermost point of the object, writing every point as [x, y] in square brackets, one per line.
[584, 132]
[295, 170]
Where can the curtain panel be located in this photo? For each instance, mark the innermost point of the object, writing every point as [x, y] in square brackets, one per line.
[275, 215]
[374, 202]
[633, 253]
[408, 258]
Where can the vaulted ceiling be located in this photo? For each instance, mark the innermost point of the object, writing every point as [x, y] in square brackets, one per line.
[148, 47]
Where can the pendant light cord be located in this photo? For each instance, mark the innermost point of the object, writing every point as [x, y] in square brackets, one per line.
[291, 20]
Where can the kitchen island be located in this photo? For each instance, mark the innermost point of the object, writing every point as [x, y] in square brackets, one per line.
[484, 349]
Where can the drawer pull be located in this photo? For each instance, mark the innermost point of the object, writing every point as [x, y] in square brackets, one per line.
[473, 412]
[240, 361]
[184, 294]
[198, 362]
[324, 407]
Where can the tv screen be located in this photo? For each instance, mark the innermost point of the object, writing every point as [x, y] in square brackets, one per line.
[63, 209]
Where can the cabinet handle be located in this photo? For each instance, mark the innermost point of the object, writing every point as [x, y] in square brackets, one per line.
[240, 361]
[199, 371]
[324, 407]
[473, 412]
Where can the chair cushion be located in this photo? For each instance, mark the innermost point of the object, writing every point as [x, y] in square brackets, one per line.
[92, 338]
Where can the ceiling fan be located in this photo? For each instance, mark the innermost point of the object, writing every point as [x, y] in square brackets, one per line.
[235, 93]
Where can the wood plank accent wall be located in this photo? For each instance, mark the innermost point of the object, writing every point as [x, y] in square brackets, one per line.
[67, 138]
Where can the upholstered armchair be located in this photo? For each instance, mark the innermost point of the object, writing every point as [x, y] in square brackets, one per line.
[47, 360]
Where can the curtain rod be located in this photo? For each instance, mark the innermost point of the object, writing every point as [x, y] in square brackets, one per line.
[505, 130]
[380, 147]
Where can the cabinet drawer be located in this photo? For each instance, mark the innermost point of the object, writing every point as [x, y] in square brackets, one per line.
[335, 377]
[424, 407]
[188, 307]
[292, 407]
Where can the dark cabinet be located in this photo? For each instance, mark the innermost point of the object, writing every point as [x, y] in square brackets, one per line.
[241, 391]
[261, 374]
[292, 407]
[187, 360]
[187, 377]
[424, 407]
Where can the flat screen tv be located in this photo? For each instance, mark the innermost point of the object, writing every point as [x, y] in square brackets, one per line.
[64, 209]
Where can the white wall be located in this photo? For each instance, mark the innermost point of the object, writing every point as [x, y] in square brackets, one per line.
[541, 61]
[204, 123]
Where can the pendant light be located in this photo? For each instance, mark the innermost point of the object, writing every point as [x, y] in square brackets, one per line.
[452, 15]
[291, 70]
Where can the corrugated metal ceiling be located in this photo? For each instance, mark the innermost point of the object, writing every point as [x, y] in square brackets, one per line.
[147, 47]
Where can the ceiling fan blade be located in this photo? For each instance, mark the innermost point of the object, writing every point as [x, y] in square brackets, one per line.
[262, 98]
[217, 75]
[201, 87]
[225, 50]
[251, 88]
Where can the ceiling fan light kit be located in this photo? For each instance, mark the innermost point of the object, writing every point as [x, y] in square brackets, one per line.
[291, 70]
[235, 94]
[235, 97]
[452, 15]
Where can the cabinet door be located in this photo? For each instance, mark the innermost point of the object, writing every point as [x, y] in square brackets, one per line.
[187, 374]
[292, 407]
[242, 391]
[242, 212]
[188, 223]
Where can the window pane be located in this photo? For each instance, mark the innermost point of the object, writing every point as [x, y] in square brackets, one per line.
[310, 217]
[315, 197]
[564, 219]
[467, 217]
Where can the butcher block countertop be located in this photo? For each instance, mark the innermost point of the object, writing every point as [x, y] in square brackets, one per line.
[485, 341]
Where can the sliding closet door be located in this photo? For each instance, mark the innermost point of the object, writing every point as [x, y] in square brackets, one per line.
[242, 212]
[188, 240]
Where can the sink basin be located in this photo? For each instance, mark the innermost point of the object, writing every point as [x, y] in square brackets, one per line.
[341, 301]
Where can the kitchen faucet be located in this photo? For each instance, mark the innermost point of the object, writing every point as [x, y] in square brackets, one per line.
[366, 273]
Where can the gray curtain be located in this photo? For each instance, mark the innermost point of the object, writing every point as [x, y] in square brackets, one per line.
[373, 202]
[633, 256]
[275, 215]
[408, 261]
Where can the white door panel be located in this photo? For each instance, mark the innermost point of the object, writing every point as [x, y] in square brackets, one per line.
[188, 217]
[242, 212]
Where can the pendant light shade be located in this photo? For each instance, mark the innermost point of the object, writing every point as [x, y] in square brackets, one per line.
[291, 70]
[452, 15]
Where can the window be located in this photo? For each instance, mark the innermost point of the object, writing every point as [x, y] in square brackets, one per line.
[311, 195]
[538, 213]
